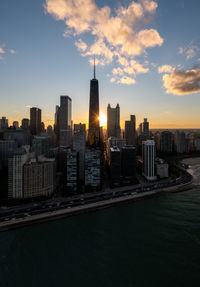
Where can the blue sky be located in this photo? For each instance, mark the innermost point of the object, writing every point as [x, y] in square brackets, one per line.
[38, 63]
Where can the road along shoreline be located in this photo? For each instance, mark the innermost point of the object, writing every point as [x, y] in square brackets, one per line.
[66, 212]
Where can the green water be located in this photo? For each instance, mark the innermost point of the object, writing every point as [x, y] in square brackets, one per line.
[154, 242]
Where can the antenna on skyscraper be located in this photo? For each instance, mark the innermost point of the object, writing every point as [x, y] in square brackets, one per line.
[94, 69]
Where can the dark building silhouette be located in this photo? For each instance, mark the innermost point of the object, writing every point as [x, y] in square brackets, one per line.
[65, 121]
[113, 121]
[35, 121]
[146, 127]
[57, 124]
[94, 131]
[130, 133]
[128, 161]
[115, 165]
[166, 142]
[25, 124]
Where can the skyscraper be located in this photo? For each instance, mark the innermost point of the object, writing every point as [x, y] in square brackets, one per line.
[35, 121]
[146, 128]
[130, 133]
[56, 124]
[3, 123]
[148, 157]
[65, 121]
[180, 142]
[166, 142]
[113, 121]
[25, 124]
[79, 141]
[94, 131]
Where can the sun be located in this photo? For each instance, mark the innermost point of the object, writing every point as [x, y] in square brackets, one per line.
[103, 120]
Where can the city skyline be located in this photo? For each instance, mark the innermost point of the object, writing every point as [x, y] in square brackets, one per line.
[37, 67]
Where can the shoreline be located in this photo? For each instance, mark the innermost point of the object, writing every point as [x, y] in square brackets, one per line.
[91, 207]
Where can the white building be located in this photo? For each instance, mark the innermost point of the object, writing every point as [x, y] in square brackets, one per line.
[148, 158]
[38, 177]
[15, 173]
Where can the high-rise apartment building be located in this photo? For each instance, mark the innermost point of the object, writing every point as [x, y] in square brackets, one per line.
[20, 136]
[145, 126]
[93, 169]
[113, 122]
[94, 131]
[115, 142]
[115, 165]
[35, 120]
[79, 142]
[3, 124]
[128, 161]
[57, 124]
[72, 170]
[15, 173]
[25, 124]
[180, 142]
[65, 121]
[7, 148]
[166, 142]
[148, 158]
[41, 145]
[38, 177]
[130, 132]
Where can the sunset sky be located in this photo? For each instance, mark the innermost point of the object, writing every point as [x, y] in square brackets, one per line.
[148, 56]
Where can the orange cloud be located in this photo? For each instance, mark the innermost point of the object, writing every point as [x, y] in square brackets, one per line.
[117, 36]
[181, 82]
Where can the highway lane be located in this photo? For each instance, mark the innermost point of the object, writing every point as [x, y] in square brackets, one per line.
[50, 205]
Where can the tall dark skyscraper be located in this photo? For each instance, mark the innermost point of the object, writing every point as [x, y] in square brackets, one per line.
[94, 131]
[130, 133]
[65, 121]
[113, 121]
[35, 121]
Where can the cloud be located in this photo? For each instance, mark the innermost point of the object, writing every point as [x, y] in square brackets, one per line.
[181, 82]
[12, 51]
[2, 51]
[180, 51]
[82, 46]
[126, 80]
[117, 35]
[28, 106]
[165, 69]
[112, 80]
[190, 53]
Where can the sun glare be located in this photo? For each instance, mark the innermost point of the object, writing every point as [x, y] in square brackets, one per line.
[103, 120]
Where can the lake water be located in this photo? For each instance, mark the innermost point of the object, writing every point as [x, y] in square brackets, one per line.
[154, 242]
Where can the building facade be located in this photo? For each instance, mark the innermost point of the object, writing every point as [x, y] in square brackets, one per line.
[65, 121]
[113, 122]
[35, 120]
[94, 130]
[93, 169]
[148, 158]
[130, 131]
